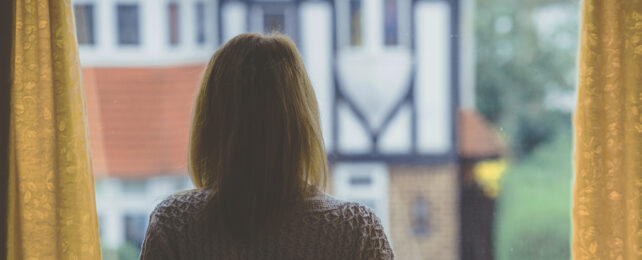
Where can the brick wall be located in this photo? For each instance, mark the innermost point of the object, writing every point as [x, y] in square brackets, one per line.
[439, 187]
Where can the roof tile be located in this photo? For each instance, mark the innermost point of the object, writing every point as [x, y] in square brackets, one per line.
[139, 119]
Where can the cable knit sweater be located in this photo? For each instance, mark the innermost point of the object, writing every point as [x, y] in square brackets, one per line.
[322, 228]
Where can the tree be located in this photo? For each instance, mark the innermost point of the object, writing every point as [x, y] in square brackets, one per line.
[526, 55]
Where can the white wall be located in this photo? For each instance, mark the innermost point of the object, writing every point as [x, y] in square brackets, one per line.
[374, 76]
[234, 19]
[316, 48]
[433, 92]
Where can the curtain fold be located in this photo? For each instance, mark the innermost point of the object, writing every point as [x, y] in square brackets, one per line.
[52, 212]
[607, 220]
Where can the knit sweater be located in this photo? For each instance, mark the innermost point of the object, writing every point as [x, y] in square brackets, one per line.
[322, 227]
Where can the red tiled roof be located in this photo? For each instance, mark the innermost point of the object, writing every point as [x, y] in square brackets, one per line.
[139, 119]
[476, 137]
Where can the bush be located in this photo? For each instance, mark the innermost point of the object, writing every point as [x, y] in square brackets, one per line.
[533, 218]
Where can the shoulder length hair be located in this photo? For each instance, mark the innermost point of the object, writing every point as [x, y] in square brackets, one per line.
[256, 140]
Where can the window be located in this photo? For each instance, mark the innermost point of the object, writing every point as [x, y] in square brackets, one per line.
[455, 51]
[274, 22]
[279, 18]
[135, 226]
[420, 216]
[173, 26]
[134, 186]
[360, 180]
[200, 22]
[391, 22]
[85, 31]
[356, 26]
[128, 24]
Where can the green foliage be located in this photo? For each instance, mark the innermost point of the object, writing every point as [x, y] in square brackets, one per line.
[526, 53]
[533, 216]
[526, 58]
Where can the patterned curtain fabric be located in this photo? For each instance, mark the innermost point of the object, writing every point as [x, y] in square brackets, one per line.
[52, 211]
[607, 220]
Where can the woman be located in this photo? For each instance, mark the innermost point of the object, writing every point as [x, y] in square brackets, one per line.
[257, 158]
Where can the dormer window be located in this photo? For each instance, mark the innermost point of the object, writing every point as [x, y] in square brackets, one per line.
[85, 24]
[128, 24]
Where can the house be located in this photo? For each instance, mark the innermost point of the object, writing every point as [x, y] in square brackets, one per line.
[395, 88]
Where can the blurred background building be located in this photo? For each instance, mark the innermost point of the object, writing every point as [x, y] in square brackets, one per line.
[396, 85]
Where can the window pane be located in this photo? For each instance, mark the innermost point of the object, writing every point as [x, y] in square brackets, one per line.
[135, 229]
[84, 23]
[173, 25]
[273, 22]
[200, 23]
[355, 23]
[360, 181]
[391, 22]
[134, 186]
[128, 24]
[421, 211]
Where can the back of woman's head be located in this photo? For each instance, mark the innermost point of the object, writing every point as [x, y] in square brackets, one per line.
[255, 141]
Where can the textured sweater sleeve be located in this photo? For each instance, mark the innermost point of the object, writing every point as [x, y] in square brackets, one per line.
[372, 241]
[160, 239]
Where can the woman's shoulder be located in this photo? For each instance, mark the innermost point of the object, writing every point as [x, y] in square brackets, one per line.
[344, 210]
[184, 200]
[180, 207]
[359, 222]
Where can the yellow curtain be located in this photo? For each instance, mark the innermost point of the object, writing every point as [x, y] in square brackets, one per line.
[607, 208]
[52, 212]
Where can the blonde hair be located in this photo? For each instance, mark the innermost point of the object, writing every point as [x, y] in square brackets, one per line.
[256, 140]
